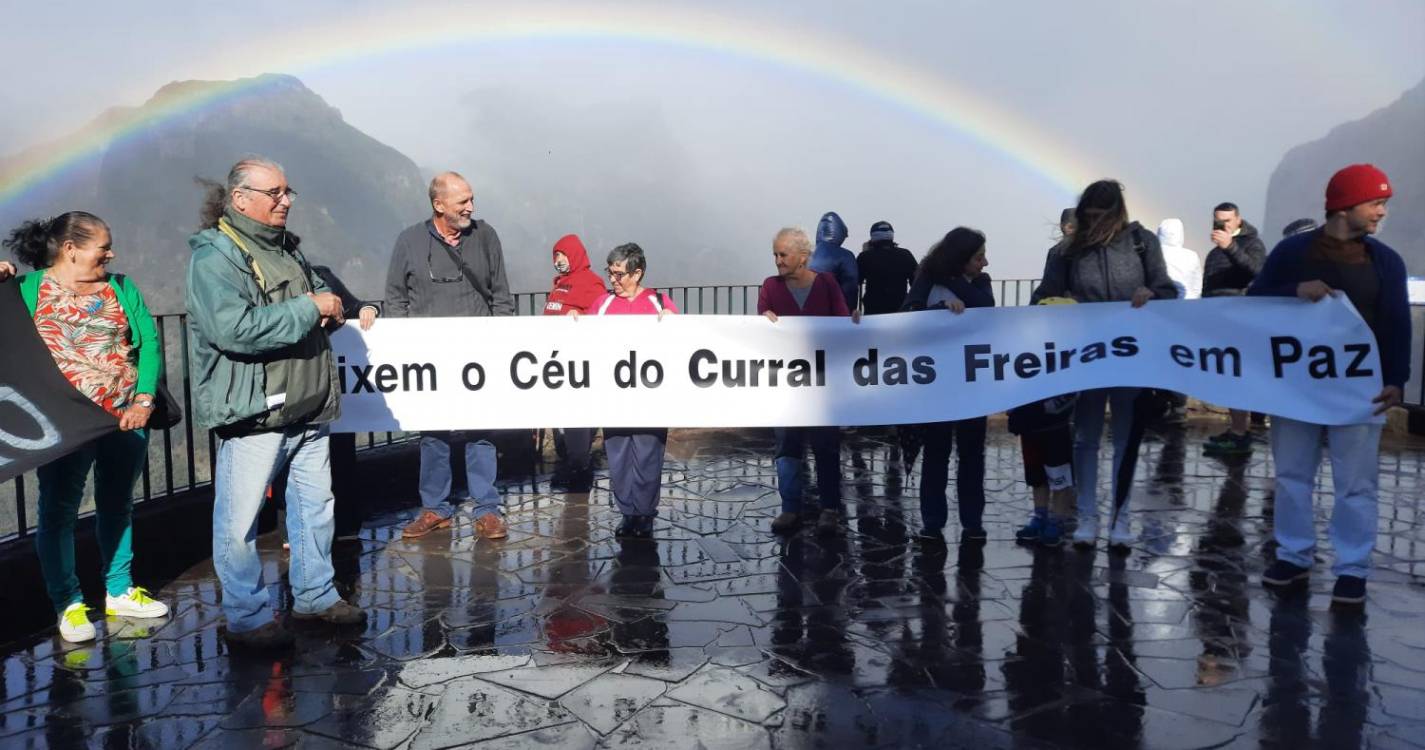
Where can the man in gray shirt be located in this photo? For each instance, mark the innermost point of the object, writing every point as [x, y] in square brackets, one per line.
[451, 265]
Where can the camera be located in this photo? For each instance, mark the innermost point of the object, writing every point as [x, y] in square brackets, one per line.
[1218, 225]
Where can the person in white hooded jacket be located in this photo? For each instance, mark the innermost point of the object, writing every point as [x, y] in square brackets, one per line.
[1184, 265]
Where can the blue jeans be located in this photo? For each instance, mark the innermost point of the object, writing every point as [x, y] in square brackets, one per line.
[117, 459]
[1088, 433]
[480, 468]
[1354, 450]
[791, 452]
[246, 466]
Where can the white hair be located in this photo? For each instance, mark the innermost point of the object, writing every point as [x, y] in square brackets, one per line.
[801, 241]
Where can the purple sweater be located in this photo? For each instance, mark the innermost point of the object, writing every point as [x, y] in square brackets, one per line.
[824, 299]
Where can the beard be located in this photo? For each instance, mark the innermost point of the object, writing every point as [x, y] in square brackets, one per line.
[458, 221]
[561, 267]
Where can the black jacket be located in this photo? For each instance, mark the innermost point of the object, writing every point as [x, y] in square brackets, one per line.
[1231, 271]
[887, 270]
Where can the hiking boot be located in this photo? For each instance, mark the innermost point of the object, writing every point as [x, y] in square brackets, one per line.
[425, 523]
[74, 624]
[1349, 590]
[491, 526]
[134, 603]
[341, 613]
[829, 522]
[786, 523]
[1032, 531]
[1229, 443]
[269, 637]
[1283, 573]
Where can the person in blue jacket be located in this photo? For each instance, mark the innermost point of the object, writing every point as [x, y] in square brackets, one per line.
[1339, 258]
[830, 257]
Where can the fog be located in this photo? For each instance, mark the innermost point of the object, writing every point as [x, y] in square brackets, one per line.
[701, 150]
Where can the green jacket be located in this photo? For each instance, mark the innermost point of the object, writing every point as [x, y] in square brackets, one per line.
[234, 331]
[143, 335]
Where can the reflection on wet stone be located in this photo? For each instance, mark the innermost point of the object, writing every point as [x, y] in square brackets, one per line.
[717, 634]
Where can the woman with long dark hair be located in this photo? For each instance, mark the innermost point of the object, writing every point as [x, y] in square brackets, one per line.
[1108, 259]
[104, 342]
[952, 276]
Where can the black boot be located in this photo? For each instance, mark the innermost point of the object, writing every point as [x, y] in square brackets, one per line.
[629, 528]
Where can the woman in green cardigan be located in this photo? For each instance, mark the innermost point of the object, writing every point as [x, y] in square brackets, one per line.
[103, 340]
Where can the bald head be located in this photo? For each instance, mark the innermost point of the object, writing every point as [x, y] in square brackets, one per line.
[452, 201]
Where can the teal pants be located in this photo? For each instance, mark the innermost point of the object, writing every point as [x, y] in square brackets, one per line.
[117, 459]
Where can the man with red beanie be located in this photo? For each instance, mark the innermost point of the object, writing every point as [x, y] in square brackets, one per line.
[1341, 257]
[575, 289]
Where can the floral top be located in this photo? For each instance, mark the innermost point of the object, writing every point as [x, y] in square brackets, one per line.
[88, 336]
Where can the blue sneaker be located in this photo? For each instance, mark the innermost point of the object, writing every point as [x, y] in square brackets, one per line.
[1053, 534]
[1032, 531]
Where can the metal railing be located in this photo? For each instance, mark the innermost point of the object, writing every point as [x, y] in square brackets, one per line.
[180, 459]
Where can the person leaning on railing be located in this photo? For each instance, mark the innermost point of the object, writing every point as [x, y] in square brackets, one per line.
[103, 340]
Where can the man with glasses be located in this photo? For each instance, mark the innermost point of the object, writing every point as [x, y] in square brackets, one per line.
[264, 381]
[451, 265]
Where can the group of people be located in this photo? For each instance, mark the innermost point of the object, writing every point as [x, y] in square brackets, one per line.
[264, 380]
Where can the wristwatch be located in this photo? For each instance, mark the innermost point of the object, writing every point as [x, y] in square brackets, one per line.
[144, 401]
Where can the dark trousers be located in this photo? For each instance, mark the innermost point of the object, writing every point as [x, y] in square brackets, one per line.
[573, 446]
[967, 436]
[636, 468]
[791, 449]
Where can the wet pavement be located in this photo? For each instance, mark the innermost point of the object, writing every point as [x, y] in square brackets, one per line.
[717, 634]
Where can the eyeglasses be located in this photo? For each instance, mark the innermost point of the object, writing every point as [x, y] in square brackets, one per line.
[617, 276]
[276, 194]
[430, 269]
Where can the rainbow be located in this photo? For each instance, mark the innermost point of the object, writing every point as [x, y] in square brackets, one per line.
[359, 37]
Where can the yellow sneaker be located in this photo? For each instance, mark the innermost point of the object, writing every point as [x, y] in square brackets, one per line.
[134, 603]
[74, 624]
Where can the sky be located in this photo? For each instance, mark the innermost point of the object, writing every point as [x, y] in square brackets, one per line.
[699, 130]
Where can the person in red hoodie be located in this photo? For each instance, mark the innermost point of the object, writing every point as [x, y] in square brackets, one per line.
[575, 288]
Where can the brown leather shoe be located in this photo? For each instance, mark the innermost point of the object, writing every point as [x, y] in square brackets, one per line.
[425, 523]
[491, 526]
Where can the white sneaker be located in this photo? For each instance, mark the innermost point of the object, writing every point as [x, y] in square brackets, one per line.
[74, 624]
[1121, 535]
[1087, 532]
[134, 603]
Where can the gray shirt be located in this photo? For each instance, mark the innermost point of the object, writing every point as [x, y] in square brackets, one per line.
[425, 282]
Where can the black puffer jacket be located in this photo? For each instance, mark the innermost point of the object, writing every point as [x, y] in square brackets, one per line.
[1231, 271]
[1109, 272]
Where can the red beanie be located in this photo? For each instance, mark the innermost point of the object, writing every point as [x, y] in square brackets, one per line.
[1354, 185]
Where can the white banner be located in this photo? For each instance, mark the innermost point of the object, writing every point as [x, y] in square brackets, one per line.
[1313, 362]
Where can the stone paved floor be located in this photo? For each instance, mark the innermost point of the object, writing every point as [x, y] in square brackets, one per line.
[716, 634]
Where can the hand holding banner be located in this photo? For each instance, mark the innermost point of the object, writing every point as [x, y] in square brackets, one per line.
[1313, 362]
[42, 416]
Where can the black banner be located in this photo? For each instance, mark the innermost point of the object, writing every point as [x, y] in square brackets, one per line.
[42, 416]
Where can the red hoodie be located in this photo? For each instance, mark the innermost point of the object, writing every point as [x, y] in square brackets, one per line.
[578, 288]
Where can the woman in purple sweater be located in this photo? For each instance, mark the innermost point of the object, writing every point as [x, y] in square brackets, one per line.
[798, 290]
